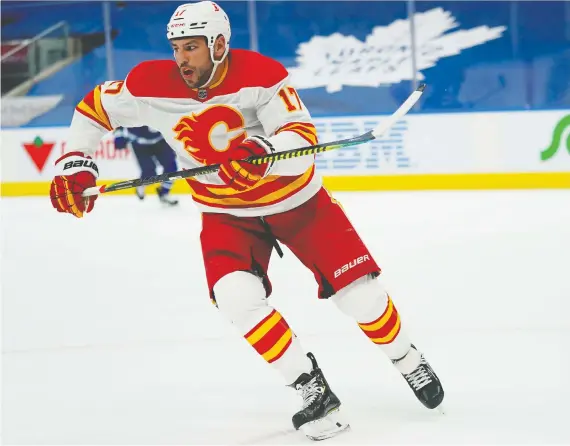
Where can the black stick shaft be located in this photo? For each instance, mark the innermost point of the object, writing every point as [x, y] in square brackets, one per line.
[287, 154]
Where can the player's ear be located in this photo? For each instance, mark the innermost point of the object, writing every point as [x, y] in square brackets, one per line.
[219, 47]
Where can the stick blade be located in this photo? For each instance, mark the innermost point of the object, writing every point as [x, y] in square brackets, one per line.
[398, 114]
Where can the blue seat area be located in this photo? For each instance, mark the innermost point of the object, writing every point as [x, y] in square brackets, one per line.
[352, 57]
[141, 35]
[142, 25]
[278, 38]
[31, 18]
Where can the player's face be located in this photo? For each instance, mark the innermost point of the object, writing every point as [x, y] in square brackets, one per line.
[193, 58]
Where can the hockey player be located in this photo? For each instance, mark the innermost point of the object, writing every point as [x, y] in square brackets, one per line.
[151, 151]
[213, 105]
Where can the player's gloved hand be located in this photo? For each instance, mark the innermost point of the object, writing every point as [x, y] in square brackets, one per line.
[76, 172]
[241, 175]
[120, 143]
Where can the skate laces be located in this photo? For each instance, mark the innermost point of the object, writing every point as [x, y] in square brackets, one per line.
[419, 377]
[310, 391]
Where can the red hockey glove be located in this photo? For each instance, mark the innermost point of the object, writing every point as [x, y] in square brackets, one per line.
[241, 175]
[77, 172]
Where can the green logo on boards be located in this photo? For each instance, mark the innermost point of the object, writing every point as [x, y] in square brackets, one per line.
[557, 139]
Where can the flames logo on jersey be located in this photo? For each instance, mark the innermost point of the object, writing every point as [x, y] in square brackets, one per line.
[209, 136]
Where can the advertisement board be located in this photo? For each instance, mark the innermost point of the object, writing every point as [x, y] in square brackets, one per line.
[451, 143]
[422, 151]
[28, 155]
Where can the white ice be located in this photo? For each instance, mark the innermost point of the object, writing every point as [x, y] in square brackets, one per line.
[109, 336]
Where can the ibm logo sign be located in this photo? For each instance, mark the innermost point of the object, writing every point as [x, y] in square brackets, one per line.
[387, 152]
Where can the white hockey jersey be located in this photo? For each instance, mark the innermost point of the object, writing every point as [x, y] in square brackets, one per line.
[203, 127]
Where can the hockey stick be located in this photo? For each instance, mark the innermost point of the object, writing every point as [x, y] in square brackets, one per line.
[287, 154]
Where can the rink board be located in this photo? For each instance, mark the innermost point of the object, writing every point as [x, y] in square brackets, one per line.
[502, 150]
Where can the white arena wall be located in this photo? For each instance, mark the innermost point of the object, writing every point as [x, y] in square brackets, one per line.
[499, 150]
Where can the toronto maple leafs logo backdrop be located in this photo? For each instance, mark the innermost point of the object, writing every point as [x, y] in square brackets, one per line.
[386, 56]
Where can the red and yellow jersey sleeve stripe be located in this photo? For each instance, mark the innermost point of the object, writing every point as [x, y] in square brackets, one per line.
[384, 329]
[92, 107]
[271, 337]
[304, 129]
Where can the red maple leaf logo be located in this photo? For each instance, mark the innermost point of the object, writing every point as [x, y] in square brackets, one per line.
[39, 151]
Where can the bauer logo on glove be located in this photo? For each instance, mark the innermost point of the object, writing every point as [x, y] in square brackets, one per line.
[77, 172]
[81, 163]
[241, 175]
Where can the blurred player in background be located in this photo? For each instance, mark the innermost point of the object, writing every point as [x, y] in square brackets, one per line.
[151, 151]
[216, 106]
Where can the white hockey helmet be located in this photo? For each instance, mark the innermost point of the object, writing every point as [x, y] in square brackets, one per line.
[205, 19]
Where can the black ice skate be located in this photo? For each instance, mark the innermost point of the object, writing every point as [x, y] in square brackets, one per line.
[318, 417]
[164, 198]
[421, 378]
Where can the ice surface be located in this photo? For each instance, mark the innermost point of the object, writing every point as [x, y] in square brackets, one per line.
[109, 336]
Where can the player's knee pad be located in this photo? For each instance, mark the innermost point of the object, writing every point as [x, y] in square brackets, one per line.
[239, 295]
[363, 299]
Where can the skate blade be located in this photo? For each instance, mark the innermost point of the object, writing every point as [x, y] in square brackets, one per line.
[166, 204]
[326, 427]
[441, 409]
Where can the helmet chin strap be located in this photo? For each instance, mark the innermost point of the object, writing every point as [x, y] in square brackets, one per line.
[216, 64]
